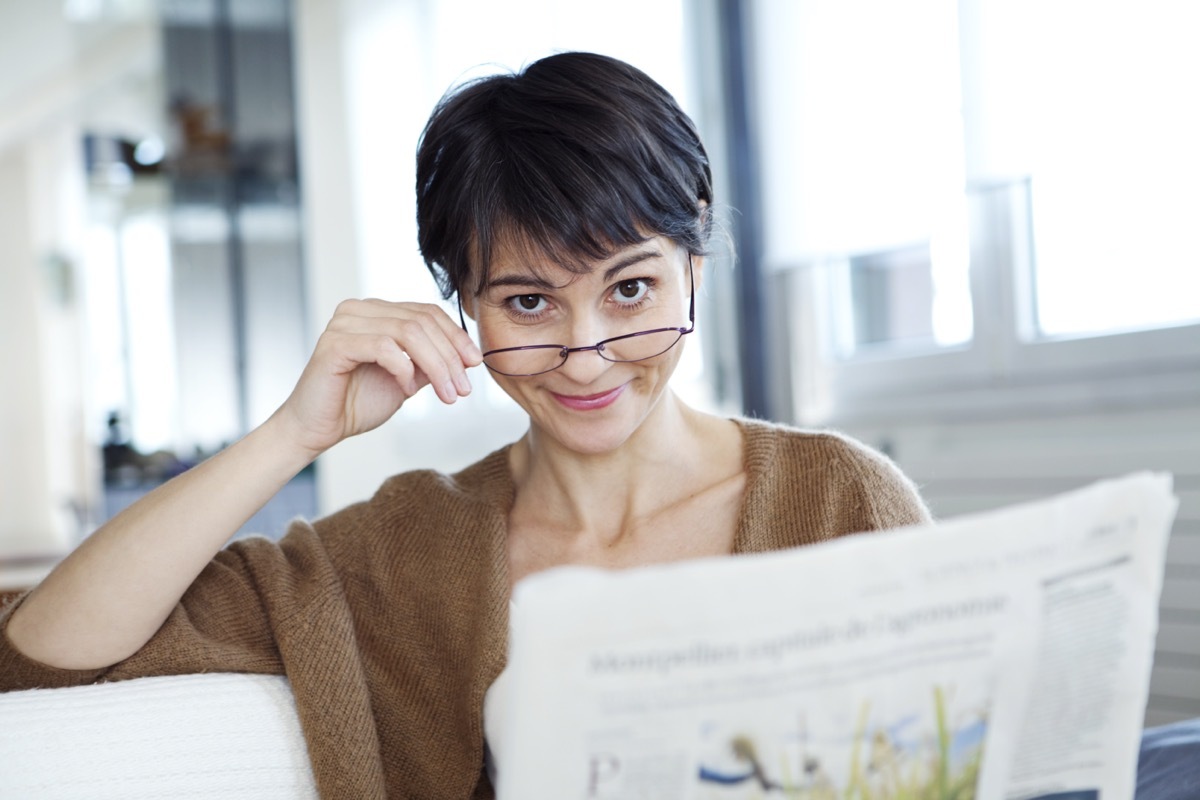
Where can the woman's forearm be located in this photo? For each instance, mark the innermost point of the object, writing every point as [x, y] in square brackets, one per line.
[105, 600]
[108, 597]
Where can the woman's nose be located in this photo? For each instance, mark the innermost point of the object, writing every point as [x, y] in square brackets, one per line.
[586, 330]
[584, 367]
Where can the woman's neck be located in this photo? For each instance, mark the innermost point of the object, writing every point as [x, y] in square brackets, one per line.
[604, 494]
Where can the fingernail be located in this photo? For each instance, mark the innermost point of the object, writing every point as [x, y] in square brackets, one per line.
[463, 383]
[449, 391]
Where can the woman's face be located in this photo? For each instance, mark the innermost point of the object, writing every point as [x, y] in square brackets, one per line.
[589, 404]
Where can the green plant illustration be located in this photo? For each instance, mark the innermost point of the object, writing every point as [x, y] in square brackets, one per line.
[938, 761]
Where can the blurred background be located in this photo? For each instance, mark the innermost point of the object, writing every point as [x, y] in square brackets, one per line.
[964, 232]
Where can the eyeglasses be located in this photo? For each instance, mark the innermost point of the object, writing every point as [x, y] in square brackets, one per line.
[537, 359]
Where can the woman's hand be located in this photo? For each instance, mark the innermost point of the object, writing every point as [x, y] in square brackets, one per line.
[372, 357]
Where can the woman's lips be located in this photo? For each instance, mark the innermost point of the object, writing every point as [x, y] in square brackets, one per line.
[590, 402]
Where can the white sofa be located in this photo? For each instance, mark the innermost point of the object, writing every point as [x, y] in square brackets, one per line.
[235, 736]
[191, 736]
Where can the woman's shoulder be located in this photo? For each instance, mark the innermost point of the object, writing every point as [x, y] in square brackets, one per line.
[488, 481]
[424, 503]
[828, 469]
[780, 445]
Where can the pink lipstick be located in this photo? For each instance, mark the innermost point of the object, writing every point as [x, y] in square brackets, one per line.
[590, 402]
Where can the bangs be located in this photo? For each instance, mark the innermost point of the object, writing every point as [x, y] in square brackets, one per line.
[535, 249]
[573, 200]
[572, 225]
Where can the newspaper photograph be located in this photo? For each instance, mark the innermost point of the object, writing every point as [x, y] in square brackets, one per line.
[1001, 655]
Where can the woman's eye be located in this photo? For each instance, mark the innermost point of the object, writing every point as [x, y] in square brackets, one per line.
[527, 303]
[631, 291]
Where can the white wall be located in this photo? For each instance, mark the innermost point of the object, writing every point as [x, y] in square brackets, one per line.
[48, 473]
[27, 524]
[53, 75]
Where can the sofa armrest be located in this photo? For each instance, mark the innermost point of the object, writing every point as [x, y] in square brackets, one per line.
[217, 735]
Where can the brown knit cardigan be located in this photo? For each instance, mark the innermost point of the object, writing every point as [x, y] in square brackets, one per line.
[390, 617]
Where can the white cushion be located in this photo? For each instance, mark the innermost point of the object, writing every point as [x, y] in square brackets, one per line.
[189, 736]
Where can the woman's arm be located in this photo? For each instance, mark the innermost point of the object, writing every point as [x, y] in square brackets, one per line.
[106, 599]
[109, 596]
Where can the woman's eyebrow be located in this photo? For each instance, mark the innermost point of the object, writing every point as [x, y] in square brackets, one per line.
[521, 281]
[533, 281]
[629, 260]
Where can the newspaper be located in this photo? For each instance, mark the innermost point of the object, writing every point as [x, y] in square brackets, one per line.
[1001, 655]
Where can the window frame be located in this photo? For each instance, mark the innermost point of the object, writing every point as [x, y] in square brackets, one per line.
[1005, 365]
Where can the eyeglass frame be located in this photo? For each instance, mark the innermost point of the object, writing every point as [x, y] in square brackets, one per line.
[566, 351]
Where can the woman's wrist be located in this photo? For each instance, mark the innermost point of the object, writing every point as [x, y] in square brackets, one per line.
[282, 444]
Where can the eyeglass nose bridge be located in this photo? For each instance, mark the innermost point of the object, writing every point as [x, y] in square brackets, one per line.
[599, 347]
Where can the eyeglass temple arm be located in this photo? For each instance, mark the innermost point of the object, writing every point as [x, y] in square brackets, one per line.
[691, 303]
[461, 319]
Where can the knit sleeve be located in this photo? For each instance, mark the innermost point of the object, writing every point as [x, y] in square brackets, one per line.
[18, 671]
[878, 495]
[229, 619]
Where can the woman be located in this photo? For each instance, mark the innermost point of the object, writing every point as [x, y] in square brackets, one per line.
[568, 209]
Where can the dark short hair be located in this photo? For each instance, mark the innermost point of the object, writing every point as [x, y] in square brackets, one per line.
[575, 157]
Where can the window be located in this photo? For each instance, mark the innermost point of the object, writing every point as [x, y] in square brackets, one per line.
[984, 194]
[1090, 102]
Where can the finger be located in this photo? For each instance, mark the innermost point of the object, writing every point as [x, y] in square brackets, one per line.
[461, 340]
[449, 339]
[438, 330]
[351, 350]
[467, 349]
[403, 348]
[428, 350]
[425, 342]
[456, 346]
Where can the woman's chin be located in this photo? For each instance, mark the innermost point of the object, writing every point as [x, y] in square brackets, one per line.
[590, 437]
